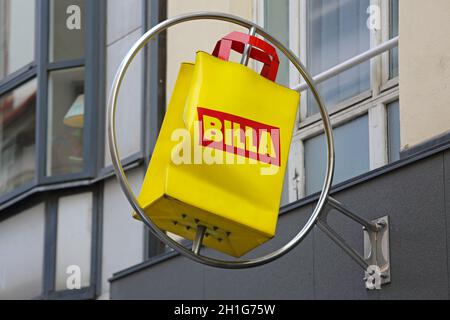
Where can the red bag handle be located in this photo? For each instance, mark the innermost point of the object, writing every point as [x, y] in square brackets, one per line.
[260, 51]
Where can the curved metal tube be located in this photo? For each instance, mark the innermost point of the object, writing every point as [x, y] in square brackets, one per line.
[111, 116]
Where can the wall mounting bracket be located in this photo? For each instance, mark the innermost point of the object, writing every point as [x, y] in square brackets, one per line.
[375, 261]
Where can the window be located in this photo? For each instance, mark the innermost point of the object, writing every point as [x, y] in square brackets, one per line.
[326, 33]
[66, 100]
[65, 122]
[17, 137]
[351, 150]
[393, 111]
[66, 34]
[47, 99]
[393, 32]
[18, 96]
[337, 31]
[50, 75]
[277, 25]
[17, 29]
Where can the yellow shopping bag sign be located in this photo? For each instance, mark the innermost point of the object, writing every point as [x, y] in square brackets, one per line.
[220, 158]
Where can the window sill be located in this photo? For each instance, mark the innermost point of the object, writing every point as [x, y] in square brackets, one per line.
[14, 79]
[391, 83]
[336, 109]
[341, 114]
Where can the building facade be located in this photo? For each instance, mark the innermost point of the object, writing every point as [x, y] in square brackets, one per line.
[65, 227]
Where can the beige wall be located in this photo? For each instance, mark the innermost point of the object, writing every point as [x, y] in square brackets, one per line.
[186, 39]
[424, 70]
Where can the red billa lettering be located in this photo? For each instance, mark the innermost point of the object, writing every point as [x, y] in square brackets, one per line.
[241, 136]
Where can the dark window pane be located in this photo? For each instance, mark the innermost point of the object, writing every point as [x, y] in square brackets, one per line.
[338, 31]
[393, 110]
[393, 60]
[17, 137]
[276, 22]
[352, 154]
[65, 122]
[17, 25]
[66, 29]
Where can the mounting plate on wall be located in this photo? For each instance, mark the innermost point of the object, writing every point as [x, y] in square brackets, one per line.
[376, 254]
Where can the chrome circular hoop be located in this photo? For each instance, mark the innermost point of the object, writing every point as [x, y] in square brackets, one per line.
[112, 106]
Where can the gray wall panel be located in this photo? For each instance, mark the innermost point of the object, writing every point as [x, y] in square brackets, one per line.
[287, 278]
[414, 198]
[177, 278]
[447, 207]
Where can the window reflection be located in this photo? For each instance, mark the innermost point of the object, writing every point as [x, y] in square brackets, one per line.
[17, 137]
[65, 122]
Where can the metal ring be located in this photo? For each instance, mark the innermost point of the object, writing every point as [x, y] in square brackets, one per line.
[112, 104]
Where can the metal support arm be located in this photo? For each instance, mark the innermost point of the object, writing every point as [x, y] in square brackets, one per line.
[375, 261]
[198, 241]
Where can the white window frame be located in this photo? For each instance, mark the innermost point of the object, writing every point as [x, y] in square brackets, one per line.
[372, 102]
